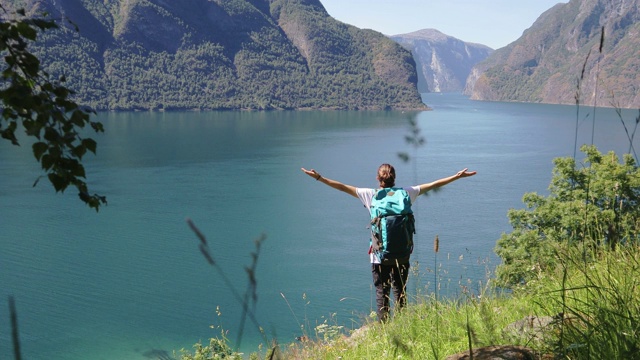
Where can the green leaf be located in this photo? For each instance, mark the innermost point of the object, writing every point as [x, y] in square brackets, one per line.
[79, 151]
[51, 134]
[403, 156]
[39, 149]
[55, 151]
[58, 182]
[79, 118]
[97, 126]
[61, 92]
[78, 170]
[44, 24]
[9, 134]
[30, 64]
[43, 107]
[26, 30]
[47, 161]
[90, 144]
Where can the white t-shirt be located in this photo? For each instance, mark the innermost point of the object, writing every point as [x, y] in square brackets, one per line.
[366, 195]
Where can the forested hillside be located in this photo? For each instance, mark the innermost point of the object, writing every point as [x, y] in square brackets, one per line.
[221, 54]
[560, 58]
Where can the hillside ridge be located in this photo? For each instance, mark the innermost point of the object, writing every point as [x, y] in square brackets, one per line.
[560, 58]
[221, 54]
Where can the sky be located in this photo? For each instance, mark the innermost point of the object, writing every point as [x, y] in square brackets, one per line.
[495, 23]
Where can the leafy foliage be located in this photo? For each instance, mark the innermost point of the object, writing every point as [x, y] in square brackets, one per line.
[599, 303]
[218, 348]
[595, 205]
[43, 108]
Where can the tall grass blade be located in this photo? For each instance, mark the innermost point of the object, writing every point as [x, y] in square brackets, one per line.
[15, 337]
[469, 338]
[250, 293]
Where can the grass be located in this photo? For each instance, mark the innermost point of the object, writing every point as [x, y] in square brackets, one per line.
[588, 312]
[410, 333]
[428, 329]
[601, 304]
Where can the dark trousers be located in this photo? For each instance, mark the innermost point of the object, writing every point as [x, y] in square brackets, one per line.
[384, 278]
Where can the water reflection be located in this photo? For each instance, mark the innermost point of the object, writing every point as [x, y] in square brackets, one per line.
[158, 139]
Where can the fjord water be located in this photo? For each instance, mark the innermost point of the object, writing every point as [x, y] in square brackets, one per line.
[130, 280]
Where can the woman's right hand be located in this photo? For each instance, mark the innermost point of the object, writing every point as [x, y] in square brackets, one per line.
[314, 174]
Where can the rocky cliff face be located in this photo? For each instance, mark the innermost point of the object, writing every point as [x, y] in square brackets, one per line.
[561, 58]
[443, 62]
[221, 54]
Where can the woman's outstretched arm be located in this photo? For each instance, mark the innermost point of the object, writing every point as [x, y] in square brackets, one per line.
[351, 190]
[444, 181]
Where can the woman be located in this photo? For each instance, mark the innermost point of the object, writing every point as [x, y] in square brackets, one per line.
[394, 275]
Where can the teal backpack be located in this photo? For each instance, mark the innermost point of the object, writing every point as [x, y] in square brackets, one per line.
[392, 226]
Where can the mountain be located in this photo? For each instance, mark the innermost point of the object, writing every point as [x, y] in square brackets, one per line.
[221, 54]
[561, 58]
[443, 62]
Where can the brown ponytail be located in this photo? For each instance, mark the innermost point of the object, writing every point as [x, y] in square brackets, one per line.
[386, 176]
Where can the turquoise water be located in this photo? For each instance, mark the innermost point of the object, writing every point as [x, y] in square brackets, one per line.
[130, 279]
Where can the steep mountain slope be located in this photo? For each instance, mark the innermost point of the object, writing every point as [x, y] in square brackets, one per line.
[222, 54]
[560, 58]
[443, 62]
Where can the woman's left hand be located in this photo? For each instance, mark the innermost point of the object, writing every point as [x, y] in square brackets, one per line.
[464, 173]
